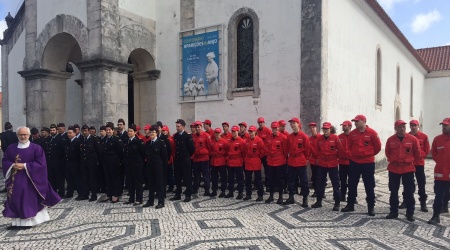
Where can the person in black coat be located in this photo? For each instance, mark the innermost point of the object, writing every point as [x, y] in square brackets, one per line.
[134, 153]
[112, 158]
[54, 154]
[72, 165]
[8, 137]
[91, 149]
[156, 162]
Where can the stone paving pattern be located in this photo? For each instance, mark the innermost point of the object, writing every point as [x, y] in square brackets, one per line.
[218, 223]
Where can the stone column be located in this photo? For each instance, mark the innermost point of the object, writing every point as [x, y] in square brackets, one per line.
[31, 34]
[145, 96]
[45, 96]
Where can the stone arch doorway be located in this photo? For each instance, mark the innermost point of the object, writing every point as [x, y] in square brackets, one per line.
[142, 88]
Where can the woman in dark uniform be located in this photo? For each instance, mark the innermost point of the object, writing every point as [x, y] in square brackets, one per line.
[134, 153]
[112, 157]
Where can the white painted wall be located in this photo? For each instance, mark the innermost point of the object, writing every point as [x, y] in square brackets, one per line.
[74, 99]
[279, 62]
[436, 105]
[144, 8]
[49, 9]
[353, 38]
[16, 84]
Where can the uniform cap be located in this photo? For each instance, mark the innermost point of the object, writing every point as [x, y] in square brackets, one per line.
[165, 128]
[295, 119]
[207, 122]
[415, 122]
[347, 122]
[217, 130]
[446, 121]
[181, 121]
[326, 125]
[274, 124]
[252, 128]
[243, 124]
[359, 118]
[399, 123]
[198, 123]
[282, 122]
[138, 127]
[312, 124]
[260, 119]
[225, 123]
[147, 126]
[235, 128]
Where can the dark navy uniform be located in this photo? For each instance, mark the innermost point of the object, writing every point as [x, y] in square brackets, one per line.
[112, 158]
[90, 149]
[8, 138]
[54, 154]
[156, 162]
[184, 149]
[134, 153]
[72, 167]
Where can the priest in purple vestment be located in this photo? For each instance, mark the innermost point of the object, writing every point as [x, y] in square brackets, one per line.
[28, 191]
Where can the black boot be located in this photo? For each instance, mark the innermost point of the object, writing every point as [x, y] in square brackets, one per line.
[336, 205]
[370, 211]
[240, 196]
[349, 208]
[247, 197]
[213, 194]
[280, 198]
[423, 206]
[444, 210]
[290, 200]
[270, 199]
[410, 217]
[435, 219]
[318, 203]
[402, 206]
[392, 215]
[305, 201]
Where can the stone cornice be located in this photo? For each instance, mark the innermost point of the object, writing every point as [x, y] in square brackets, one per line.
[8, 33]
[44, 73]
[147, 75]
[105, 64]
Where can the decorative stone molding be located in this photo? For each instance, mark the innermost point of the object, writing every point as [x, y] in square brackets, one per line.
[104, 64]
[147, 75]
[136, 36]
[44, 73]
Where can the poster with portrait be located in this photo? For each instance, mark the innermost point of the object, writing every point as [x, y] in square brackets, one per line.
[200, 65]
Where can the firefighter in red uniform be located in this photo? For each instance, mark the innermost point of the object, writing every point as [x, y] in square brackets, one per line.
[313, 157]
[226, 131]
[282, 130]
[299, 150]
[263, 132]
[243, 130]
[170, 175]
[207, 126]
[420, 169]
[328, 148]
[138, 132]
[363, 145]
[440, 150]
[200, 159]
[146, 136]
[236, 155]
[254, 152]
[402, 149]
[277, 152]
[344, 161]
[218, 163]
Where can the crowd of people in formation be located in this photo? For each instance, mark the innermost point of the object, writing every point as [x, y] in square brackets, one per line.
[228, 161]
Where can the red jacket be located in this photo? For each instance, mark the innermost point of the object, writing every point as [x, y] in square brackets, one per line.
[218, 152]
[263, 133]
[276, 149]
[202, 144]
[172, 147]
[236, 152]
[328, 151]
[227, 136]
[363, 146]
[343, 159]
[424, 148]
[440, 150]
[146, 139]
[313, 155]
[244, 136]
[210, 132]
[299, 149]
[285, 133]
[402, 154]
[254, 152]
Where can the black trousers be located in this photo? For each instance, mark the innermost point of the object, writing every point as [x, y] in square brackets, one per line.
[155, 180]
[367, 171]
[409, 188]
[258, 182]
[170, 177]
[237, 172]
[112, 169]
[88, 169]
[101, 182]
[441, 198]
[343, 176]
[295, 173]
[135, 179]
[202, 168]
[266, 172]
[322, 178]
[314, 176]
[73, 177]
[276, 181]
[183, 174]
[215, 172]
[55, 171]
[421, 181]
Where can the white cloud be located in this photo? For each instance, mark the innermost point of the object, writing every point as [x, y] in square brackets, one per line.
[423, 21]
[388, 5]
[447, 44]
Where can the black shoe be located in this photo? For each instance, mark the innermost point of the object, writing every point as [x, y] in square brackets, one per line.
[270, 199]
[93, 198]
[348, 208]
[222, 194]
[213, 194]
[11, 227]
[423, 206]
[148, 204]
[207, 193]
[137, 204]
[444, 210]
[81, 198]
[187, 199]
[229, 195]
[240, 196]
[370, 211]
[317, 204]
[128, 202]
[195, 192]
[314, 194]
[305, 202]
[289, 201]
[280, 200]
[410, 217]
[402, 206]
[175, 198]
[260, 198]
[24, 227]
[336, 206]
[435, 219]
[68, 196]
[169, 190]
[159, 206]
[343, 199]
[392, 216]
[247, 197]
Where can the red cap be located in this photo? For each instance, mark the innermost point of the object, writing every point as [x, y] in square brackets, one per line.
[207, 122]
[147, 127]
[243, 124]
[347, 122]
[165, 128]
[359, 118]
[225, 123]
[399, 123]
[415, 122]
[295, 119]
[326, 125]
[235, 128]
[260, 119]
[312, 124]
[446, 121]
[217, 130]
[252, 128]
[193, 124]
[198, 123]
[282, 122]
[138, 127]
[274, 124]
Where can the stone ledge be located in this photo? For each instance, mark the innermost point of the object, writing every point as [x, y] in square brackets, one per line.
[147, 75]
[106, 64]
[44, 73]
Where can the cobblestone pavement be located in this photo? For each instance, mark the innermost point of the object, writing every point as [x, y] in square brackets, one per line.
[217, 223]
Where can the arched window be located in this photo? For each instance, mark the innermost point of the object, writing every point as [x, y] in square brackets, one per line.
[244, 66]
[398, 80]
[411, 99]
[378, 78]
